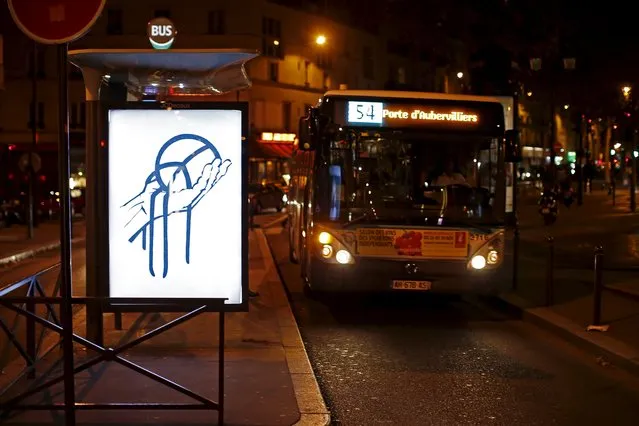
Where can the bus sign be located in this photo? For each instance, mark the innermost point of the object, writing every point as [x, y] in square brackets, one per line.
[365, 112]
[362, 113]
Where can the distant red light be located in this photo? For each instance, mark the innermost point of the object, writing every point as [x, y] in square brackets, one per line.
[43, 178]
[102, 144]
[12, 147]
[10, 176]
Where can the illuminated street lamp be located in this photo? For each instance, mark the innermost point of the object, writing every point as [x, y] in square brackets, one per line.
[320, 40]
[276, 42]
[460, 75]
[566, 106]
[626, 91]
[529, 94]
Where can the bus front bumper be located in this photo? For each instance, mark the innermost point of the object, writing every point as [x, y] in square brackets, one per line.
[378, 275]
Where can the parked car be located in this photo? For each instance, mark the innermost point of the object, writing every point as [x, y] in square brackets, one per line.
[264, 197]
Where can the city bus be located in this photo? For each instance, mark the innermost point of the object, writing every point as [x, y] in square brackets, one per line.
[403, 191]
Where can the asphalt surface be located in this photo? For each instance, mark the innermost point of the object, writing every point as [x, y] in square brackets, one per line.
[417, 360]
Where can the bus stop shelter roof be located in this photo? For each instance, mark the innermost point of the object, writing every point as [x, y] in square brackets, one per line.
[217, 70]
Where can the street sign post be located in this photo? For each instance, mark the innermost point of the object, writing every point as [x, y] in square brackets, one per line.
[60, 22]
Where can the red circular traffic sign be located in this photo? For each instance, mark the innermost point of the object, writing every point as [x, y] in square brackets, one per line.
[55, 21]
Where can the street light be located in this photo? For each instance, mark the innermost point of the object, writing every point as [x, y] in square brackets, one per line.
[566, 106]
[529, 94]
[626, 91]
[460, 75]
[320, 40]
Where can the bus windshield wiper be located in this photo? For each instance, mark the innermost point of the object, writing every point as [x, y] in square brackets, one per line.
[364, 216]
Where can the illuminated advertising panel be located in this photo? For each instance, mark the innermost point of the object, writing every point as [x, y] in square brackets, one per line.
[176, 203]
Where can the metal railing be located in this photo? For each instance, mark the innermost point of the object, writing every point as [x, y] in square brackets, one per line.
[25, 305]
[30, 351]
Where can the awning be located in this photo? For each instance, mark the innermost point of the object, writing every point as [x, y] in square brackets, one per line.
[270, 150]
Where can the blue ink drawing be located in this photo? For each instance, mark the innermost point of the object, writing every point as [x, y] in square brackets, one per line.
[187, 167]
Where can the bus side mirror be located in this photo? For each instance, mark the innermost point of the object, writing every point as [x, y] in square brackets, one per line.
[512, 148]
[309, 130]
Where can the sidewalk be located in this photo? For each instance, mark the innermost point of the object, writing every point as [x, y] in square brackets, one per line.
[269, 380]
[576, 233]
[579, 229]
[15, 246]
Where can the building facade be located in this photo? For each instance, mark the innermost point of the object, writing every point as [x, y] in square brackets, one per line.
[304, 53]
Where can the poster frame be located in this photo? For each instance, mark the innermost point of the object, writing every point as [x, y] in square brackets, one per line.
[102, 208]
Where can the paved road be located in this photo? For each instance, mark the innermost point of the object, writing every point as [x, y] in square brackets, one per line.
[420, 361]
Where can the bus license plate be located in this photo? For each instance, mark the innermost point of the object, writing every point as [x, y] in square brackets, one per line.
[411, 285]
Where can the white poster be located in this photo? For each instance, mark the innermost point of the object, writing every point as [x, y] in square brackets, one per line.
[175, 204]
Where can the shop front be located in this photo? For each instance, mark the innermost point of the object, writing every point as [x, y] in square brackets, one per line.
[269, 158]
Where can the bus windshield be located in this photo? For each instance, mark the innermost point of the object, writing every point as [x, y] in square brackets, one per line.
[413, 179]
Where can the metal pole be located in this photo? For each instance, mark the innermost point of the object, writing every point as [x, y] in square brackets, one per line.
[66, 308]
[34, 136]
[633, 175]
[515, 183]
[580, 166]
[596, 296]
[516, 257]
[31, 331]
[550, 271]
[553, 132]
[220, 372]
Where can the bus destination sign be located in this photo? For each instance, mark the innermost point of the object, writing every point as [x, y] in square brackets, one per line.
[363, 113]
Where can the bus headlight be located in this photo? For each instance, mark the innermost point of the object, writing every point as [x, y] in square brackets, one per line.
[488, 256]
[343, 257]
[324, 238]
[478, 262]
[331, 249]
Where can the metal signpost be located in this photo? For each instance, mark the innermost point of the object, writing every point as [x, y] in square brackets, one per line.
[148, 245]
[60, 22]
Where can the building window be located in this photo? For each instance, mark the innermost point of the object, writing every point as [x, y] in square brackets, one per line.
[324, 61]
[368, 64]
[286, 115]
[271, 37]
[401, 75]
[77, 116]
[398, 48]
[271, 27]
[273, 71]
[217, 22]
[40, 116]
[162, 13]
[114, 22]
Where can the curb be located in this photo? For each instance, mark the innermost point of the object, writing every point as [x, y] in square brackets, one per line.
[18, 257]
[615, 351]
[310, 402]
